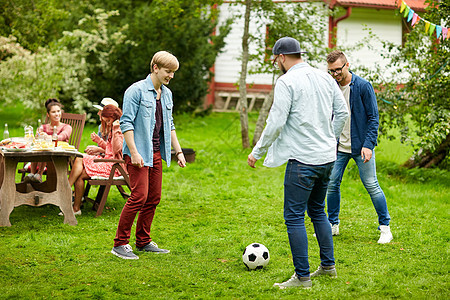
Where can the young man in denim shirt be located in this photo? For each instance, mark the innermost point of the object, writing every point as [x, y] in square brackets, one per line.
[357, 142]
[148, 130]
[306, 118]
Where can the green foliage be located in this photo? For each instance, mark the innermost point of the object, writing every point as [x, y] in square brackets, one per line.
[113, 42]
[34, 23]
[420, 107]
[63, 69]
[183, 28]
[32, 77]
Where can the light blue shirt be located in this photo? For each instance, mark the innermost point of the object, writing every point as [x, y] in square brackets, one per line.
[139, 106]
[306, 119]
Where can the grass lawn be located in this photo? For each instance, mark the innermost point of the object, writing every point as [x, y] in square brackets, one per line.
[212, 210]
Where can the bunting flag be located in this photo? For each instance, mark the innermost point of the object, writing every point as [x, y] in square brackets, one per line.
[402, 7]
[427, 26]
[406, 11]
[414, 18]
[410, 15]
[438, 31]
[432, 27]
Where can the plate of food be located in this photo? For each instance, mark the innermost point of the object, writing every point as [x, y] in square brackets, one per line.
[15, 149]
[12, 146]
[65, 147]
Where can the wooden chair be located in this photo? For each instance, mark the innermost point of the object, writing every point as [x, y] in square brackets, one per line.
[106, 183]
[77, 122]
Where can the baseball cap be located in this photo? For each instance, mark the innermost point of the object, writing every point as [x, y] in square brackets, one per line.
[106, 101]
[286, 45]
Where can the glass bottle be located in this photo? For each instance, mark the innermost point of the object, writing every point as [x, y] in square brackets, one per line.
[38, 130]
[55, 136]
[6, 132]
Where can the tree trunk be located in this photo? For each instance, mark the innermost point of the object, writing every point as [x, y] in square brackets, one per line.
[430, 159]
[243, 113]
[263, 113]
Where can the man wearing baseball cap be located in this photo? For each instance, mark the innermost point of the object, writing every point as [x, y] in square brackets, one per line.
[304, 123]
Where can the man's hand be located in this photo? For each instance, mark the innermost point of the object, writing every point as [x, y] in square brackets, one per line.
[366, 154]
[137, 160]
[251, 160]
[181, 160]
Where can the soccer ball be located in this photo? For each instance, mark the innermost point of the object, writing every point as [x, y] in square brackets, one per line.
[255, 256]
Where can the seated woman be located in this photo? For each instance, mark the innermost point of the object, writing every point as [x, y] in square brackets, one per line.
[64, 131]
[84, 168]
[96, 150]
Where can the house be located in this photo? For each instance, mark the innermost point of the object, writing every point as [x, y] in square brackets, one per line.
[381, 16]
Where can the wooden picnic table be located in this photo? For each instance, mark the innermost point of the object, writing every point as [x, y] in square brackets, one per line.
[55, 190]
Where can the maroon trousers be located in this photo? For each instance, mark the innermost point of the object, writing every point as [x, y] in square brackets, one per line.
[145, 196]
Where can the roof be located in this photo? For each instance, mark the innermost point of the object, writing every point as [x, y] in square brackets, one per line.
[416, 5]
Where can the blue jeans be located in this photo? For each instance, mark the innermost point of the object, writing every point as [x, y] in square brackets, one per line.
[305, 187]
[368, 175]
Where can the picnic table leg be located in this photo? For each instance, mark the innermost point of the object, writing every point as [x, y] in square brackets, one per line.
[64, 190]
[7, 191]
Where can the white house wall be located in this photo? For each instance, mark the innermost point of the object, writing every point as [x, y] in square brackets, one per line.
[228, 63]
[384, 23]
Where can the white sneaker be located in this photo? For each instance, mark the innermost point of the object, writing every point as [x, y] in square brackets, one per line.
[386, 235]
[335, 229]
[294, 281]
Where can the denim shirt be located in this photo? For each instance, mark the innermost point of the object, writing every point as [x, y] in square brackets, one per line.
[139, 106]
[364, 111]
[306, 119]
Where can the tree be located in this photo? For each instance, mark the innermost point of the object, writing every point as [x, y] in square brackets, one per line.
[421, 107]
[63, 69]
[243, 114]
[306, 23]
[183, 27]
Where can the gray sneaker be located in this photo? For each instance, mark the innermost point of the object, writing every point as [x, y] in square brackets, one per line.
[295, 281]
[152, 247]
[124, 251]
[330, 271]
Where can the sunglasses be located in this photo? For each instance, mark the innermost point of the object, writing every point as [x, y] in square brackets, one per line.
[336, 71]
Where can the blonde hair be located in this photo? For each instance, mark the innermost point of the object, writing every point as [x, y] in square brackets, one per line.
[164, 59]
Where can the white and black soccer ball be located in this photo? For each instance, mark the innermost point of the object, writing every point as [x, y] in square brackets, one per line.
[255, 256]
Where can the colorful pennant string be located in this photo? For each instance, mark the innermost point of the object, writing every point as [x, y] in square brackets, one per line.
[414, 18]
[410, 15]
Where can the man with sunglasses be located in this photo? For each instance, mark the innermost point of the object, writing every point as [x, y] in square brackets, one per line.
[306, 118]
[357, 142]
